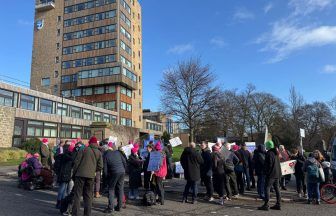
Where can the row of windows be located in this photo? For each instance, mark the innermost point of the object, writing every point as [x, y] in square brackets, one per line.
[87, 5]
[126, 61]
[88, 61]
[126, 106]
[129, 74]
[126, 122]
[110, 105]
[126, 91]
[89, 91]
[125, 19]
[125, 47]
[69, 78]
[28, 102]
[89, 32]
[89, 46]
[126, 6]
[99, 72]
[125, 33]
[90, 18]
[152, 126]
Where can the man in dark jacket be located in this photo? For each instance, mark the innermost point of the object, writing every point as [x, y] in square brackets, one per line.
[231, 160]
[191, 161]
[206, 170]
[259, 162]
[300, 176]
[272, 170]
[86, 164]
[114, 171]
[245, 158]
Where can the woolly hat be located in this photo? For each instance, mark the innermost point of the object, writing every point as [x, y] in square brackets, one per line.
[45, 141]
[134, 150]
[36, 155]
[29, 156]
[110, 144]
[269, 144]
[215, 148]
[235, 147]
[93, 140]
[158, 146]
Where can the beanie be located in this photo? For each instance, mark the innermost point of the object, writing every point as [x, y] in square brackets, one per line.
[158, 146]
[134, 150]
[269, 144]
[93, 140]
[36, 155]
[45, 141]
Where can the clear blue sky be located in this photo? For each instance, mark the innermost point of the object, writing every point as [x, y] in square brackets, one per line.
[271, 44]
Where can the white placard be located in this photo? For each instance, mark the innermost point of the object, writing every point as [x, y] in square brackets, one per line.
[175, 141]
[113, 139]
[210, 145]
[302, 133]
[127, 149]
[178, 168]
[288, 167]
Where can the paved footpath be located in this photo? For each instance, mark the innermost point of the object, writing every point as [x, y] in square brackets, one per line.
[17, 202]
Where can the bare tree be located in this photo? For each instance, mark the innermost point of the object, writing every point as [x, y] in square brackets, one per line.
[188, 93]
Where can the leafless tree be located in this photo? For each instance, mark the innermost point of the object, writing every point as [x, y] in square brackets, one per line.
[188, 92]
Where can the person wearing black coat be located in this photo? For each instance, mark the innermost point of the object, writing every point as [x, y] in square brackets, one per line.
[135, 169]
[206, 170]
[191, 161]
[218, 169]
[259, 162]
[272, 170]
[300, 176]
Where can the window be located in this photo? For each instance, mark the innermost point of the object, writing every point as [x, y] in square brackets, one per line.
[87, 91]
[126, 106]
[45, 82]
[76, 132]
[57, 60]
[90, 18]
[97, 117]
[125, 33]
[98, 72]
[106, 118]
[34, 129]
[88, 61]
[56, 74]
[87, 133]
[89, 32]
[6, 98]
[57, 46]
[75, 112]
[126, 6]
[99, 90]
[66, 93]
[58, 32]
[50, 130]
[27, 102]
[62, 109]
[126, 91]
[129, 74]
[87, 114]
[59, 19]
[125, 19]
[87, 5]
[111, 105]
[114, 119]
[66, 131]
[46, 106]
[110, 89]
[126, 122]
[125, 61]
[125, 47]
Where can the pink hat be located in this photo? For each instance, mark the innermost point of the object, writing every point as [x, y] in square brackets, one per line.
[45, 141]
[235, 147]
[93, 140]
[72, 145]
[110, 144]
[29, 156]
[136, 145]
[134, 150]
[36, 155]
[158, 146]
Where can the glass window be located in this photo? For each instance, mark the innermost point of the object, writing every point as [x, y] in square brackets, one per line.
[114, 119]
[62, 109]
[97, 117]
[66, 131]
[6, 98]
[106, 118]
[75, 112]
[87, 133]
[110, 89]
[45, 81]
[27, 102]
[110, 105]
[34, 129]
[76, 132]
[87, 114]
[87, 91]
[46, 106]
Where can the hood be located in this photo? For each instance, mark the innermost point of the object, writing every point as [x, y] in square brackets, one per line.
[312, 160]
[207, 149]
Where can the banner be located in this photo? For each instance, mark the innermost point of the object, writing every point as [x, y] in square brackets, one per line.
[155, 161]
[178, 168]
[251, 146]
[127, 149]
[175, 141]
[288, 167]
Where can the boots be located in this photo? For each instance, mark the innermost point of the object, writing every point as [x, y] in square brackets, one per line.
[276, 207]
[58, 204]
[265, 207]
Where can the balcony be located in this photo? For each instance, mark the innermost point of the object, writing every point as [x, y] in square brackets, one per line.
[45, 5]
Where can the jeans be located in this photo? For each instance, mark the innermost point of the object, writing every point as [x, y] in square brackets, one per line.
[62, 190]
[314, 191]
[133, 193]
[247, 176]
[208, 185]
[268, 184]
[116, 187]
[193, 186]
[261, 186]
[301, 183]
[83, 187]
[157, 187]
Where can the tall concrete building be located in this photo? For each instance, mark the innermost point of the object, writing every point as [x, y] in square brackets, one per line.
[90, 51]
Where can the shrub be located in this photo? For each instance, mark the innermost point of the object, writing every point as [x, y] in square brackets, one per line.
[11, 154]
[32, 146]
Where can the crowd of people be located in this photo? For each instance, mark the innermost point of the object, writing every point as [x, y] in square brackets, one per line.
[89, 169]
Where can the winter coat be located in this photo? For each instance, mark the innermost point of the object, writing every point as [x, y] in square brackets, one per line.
[300, 161]
[272, 168]
[66, 164]
[284, 156]
[259, 160]
[311, 161]
[114, 163]
[45, 154]
[88, 162]
[135, 170]
[245, 157]
[35, 163]
[218, 162]
[206, 167]
[191, 161]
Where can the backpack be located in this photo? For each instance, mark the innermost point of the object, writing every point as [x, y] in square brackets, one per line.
[313, 172]
[149, 198]
[229, 166]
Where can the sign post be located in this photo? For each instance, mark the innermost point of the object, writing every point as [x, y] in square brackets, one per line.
[302, 135]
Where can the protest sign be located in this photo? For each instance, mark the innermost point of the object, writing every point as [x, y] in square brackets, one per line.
[127, 149]
[251, 146]
[155, 161]
[178, 168]
[288, 167]
[302, 133]
[143, 153]
[175, 141]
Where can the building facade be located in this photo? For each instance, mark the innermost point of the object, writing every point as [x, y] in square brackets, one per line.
[90, 51]
[158, 121]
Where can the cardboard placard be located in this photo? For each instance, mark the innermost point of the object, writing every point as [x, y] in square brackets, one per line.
[178, 168]
[175, 141]
[155, 161]
[251, 146]
[288, 167]
[127, 150]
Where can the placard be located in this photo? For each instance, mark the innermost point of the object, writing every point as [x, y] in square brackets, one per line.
[210, 145]
[155, 161]
[143, 153]
[302, 133]
[288, 167]
[175, 141]
[251, 146]
[127, 150]
[178, 168]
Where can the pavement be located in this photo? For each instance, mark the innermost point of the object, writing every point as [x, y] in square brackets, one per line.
[15, 201]
[8, 170]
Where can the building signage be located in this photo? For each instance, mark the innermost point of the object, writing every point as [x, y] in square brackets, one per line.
[39, 24]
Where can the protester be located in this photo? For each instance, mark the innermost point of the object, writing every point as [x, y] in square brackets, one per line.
[206, 171]
[98, 176]
[311, 167]
[86, 164]
[114, 171]
[135, 169]
[158, 176]
[272, 172]
[218, 173]
[328, 175]
[45, 153]
[284, 156]
[259, 163]
[168, 150]
[191, 161]
[300, 176]
[147, 174]
[231, 160]
[245, 159]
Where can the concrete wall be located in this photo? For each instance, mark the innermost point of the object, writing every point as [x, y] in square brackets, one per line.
[7, 119]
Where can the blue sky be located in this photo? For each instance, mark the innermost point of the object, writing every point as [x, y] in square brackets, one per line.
[271, 44]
